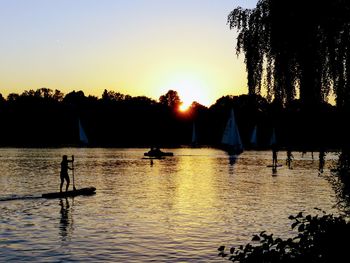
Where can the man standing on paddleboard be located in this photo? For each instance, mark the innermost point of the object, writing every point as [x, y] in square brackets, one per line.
[64, 171]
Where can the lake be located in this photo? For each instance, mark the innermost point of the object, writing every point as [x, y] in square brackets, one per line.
[178, 209]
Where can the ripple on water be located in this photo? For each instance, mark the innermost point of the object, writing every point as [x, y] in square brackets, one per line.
[179, 209]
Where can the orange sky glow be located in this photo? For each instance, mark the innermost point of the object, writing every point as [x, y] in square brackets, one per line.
[136, 47]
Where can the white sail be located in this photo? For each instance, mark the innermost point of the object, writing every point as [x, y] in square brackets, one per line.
[253, 138]
[273, 139]
[231, 135]
[194, 135]
[82, 135]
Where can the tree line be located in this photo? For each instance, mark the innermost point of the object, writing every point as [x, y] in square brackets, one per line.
[47, 118]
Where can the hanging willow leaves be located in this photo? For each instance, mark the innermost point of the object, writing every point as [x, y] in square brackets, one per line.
[296, 46]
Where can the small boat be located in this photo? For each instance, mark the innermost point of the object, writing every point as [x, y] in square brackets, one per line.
[73, 193]
[157, 153]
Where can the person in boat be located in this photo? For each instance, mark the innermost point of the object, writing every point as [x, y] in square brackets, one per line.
[64, 171]
[155, 151]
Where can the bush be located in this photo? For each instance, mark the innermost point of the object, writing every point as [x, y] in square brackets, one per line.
[319, 239]
[340, 180]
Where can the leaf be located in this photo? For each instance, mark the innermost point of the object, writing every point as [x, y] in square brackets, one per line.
[231, 258]
[221, 248]
[248, 247]
[278, 240]
[295, 224]
[222, 254]
[301, 228]
[256, 238]
[280, 245]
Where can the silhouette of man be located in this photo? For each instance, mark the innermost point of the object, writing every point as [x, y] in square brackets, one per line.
[64, 171]
[322, 156]
[289, 158]
[274, 156]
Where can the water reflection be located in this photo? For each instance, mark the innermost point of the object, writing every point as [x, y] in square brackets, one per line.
[232, 159]
[231, 165]
[274, 171]
[322, 156]
[178, 210]
[66, 220]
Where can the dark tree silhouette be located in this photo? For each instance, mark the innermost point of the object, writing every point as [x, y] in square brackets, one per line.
[50, 118]
[113, 96]
[2, 100]
[75, 97]
[170, 99]
[12, 97]
[296, 45]
[58, 95]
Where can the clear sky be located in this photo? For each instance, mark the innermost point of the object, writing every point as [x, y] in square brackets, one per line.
[136, 47]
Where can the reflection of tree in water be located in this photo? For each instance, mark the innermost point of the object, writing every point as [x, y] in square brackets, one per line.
[66, 220]
[274, 171]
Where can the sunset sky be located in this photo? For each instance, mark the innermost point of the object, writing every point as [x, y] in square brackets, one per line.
[136, 47]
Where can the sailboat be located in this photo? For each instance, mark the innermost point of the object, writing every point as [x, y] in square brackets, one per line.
[231, 139]
[254, 138]
[82, 135]
[194, 142]
[273, 140]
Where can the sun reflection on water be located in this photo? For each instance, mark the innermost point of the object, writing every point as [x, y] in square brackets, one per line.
[180, 208]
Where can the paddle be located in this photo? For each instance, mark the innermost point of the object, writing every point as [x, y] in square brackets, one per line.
[73, 172]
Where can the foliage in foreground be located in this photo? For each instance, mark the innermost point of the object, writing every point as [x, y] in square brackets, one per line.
[340, 180]
[319, 239]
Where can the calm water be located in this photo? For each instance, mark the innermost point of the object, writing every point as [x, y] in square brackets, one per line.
[180, 209]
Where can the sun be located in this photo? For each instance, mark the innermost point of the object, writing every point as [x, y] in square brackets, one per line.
[184, 107]
[189, 89]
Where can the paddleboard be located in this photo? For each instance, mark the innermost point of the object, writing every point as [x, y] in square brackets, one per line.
[82, 191]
